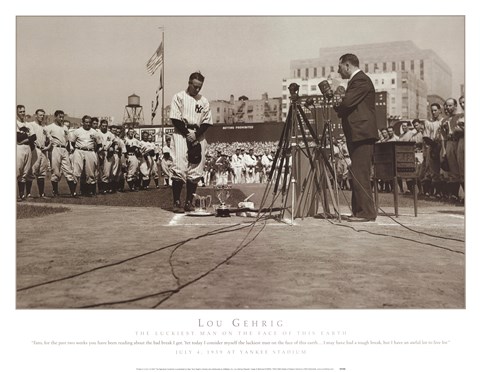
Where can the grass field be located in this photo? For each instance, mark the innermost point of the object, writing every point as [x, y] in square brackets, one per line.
[162, 197]
[31, 211]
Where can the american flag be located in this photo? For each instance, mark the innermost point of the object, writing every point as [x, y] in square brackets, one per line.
[156, 60]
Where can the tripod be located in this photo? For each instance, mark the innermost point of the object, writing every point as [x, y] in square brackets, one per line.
[300, 168]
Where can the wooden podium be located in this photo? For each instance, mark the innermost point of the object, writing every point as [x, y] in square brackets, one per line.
[392, 160]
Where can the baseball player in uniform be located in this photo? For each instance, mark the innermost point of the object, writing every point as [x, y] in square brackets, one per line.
[237, 165]
[191, 116]
[267, 161]
[95, 123]
[166, 162]
[60, 158]
[132, 146]
[449, 131]
[25, 139]
[155, 157]
[460, 133]
[146, 160]
[118, 150]
[40, 162]
[106, 158]
[250, 161]
[85, 140]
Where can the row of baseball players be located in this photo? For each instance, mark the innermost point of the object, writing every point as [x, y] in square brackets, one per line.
[87, 156]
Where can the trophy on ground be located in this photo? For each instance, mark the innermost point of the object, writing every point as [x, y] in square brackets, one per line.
[223, 191]
[201, 204]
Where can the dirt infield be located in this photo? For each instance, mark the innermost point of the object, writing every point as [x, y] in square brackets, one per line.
[97, 256]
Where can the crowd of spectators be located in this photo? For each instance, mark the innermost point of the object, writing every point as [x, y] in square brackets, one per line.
[439, 153]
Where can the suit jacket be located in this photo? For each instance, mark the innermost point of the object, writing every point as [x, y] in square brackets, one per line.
[357, 109]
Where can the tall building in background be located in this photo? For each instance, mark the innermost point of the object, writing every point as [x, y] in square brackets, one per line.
[424, 76]
[406, 95]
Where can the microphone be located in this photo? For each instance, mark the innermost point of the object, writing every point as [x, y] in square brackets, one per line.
[326, 89]
[293, 88]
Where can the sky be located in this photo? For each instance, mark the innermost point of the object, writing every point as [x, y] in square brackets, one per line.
[91, 64]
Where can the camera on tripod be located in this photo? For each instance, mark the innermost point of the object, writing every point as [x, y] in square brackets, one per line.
[293, 89]
[302, 166]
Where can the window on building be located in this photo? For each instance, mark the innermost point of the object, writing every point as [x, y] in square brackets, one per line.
[366, 67]
[376, 81]
[383, 81]
[284, 96]
[306, 72]
[393, 81]
[323, 71]
[421, 63]
[314, 72]
[393, 100]
[384, 66]
[422, 76]
[218, 109]
[394, 66]
[402, 66]
[412, 65]
[284, 105]
[375, 67]
[298, 73]
[332, 69]
[313, 87]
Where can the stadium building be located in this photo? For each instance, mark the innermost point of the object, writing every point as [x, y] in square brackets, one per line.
[419, 73]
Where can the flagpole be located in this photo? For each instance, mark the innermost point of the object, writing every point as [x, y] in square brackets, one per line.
[151, 114]
[163, 87]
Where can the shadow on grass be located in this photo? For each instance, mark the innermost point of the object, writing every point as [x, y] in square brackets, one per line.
[459, 212]
[156, 198]
[31, 211]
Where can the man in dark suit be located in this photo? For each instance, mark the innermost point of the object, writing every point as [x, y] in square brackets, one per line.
[357, 111]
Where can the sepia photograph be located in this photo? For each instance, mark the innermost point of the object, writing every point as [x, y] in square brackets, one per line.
[240, 192]
[240, 169]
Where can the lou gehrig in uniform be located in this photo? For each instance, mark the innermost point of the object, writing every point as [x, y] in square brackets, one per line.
[191, 116]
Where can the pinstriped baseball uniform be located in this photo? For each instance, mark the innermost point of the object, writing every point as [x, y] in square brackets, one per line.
[196, 111]
[119, 150]
[106, 162]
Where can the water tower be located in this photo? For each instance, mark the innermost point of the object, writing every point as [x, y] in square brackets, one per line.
[133, 116]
